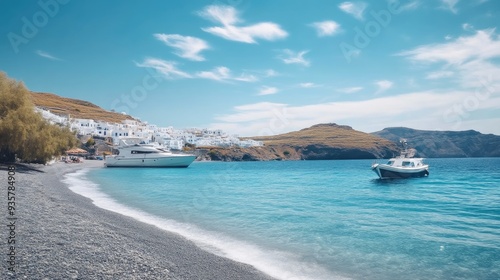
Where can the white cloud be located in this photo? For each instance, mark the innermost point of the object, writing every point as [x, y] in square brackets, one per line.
[46, 55]
[265, 90]
[187, 47]
[219, 74]
[484, 44]
[439, 75]
[450, 5]
[383, 85]
[291, 57]
[326, 28]
[308, 85]
[169, 70]
[410, 6]
[420, 110]
[350, 89]
[228, 17]
[271, 73]
[166, 68]
[468, 27]
[356, 9]
[472, 58]
[223, 74]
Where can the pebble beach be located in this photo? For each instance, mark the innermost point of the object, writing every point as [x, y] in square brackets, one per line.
[62, 235]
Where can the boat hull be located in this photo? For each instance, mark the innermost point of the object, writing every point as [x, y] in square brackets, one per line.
[168, 161]
[389, 172]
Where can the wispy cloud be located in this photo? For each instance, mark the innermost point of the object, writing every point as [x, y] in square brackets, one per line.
[350, 89]
[223, 74]
[484, 44]
[232, 29]
[326, 28]
[450, 5]
[169, 70]
[383, 85]
[472, 58]
[291, 57]
[356, 9]
[271, 73]
[308, 85]
[266, 90]
[166, 68]
[439, 75]
[398, 110]
[46, 55]
[468, 27]
[187, 47]
[411, 5]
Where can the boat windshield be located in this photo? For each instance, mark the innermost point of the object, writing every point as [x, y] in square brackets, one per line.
[391, 162]
[408, 164]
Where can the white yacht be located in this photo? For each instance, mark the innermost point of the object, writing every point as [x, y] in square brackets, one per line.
[133, 154]
[403, 166]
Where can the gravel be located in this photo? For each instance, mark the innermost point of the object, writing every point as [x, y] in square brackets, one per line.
[62, 235]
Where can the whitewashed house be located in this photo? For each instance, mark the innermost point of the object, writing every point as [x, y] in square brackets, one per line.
[52, 118]
[83, 126]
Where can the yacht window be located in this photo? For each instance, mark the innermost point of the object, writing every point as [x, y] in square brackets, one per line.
[143, 152]
[406, 164]
[391, 162]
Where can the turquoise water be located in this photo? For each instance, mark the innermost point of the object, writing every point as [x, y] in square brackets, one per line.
[322, 219]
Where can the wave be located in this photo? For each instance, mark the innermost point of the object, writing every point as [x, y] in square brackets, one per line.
[277, 264]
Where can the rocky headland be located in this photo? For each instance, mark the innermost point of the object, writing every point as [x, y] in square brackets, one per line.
[318, 142]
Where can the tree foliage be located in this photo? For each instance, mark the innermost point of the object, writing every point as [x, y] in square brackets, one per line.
[90, 143]
[24, 132]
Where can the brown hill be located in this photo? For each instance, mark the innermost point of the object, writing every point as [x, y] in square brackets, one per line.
[75, 108]
[322, 141]
[331, 134]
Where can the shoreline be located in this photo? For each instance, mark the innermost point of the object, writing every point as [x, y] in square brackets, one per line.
[63, 235]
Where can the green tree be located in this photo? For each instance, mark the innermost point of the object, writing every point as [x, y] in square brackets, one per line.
[24, 132]
[90, 143]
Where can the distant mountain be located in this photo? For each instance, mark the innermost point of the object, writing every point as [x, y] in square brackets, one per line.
[433, 144]
[75, 108]
[318, 142]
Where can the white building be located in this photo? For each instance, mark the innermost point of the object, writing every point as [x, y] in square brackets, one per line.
[168, 136]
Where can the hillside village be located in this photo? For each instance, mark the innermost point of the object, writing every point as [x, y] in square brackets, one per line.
[169, 137]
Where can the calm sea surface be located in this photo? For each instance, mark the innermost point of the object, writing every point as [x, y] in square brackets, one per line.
[321, 219]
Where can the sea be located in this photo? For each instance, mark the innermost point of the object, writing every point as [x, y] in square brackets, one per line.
[325, 219]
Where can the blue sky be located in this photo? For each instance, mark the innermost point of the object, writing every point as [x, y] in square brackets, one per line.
[265, 67]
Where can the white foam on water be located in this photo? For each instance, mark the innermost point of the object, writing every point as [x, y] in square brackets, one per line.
[277, 264]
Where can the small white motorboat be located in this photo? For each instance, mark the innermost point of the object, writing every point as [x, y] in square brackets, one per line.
[403, 166]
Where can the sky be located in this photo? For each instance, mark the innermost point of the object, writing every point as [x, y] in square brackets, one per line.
[264, 67]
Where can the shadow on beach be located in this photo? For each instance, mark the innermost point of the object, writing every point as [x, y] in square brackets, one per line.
[23, 168]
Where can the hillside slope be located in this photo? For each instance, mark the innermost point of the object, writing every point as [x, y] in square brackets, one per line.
[319, 142]
[75, 108]
[434, 144]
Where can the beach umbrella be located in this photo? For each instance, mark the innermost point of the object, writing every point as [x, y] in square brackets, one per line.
[76, 151]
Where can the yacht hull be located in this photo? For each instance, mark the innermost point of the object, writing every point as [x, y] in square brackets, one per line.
[168, 161]
[390, 172]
